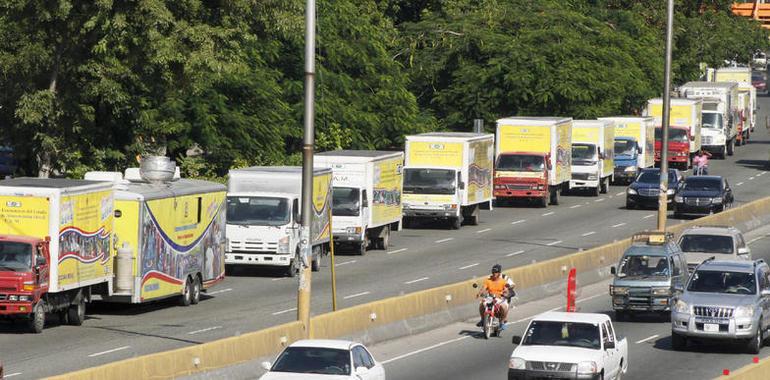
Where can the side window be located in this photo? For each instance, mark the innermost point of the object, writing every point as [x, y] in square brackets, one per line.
[295, 211]
[368, 359]
[739, 241]
[364, 199]
[676, 268]
[610, 332]
[605, 334]
[361, 358]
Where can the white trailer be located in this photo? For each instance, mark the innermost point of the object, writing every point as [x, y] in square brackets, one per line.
[366, 196]
[263, 217]
[592, 155]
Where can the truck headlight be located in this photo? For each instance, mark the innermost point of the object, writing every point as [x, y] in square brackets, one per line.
[678, 199]
[283, 244]
[13, 297]
[24, 298]
[661, 291]
[631, 191]
[682, 307]
[745, 311]
[517, 363]
[587, 367]
[353, 230]
[453, 206]
[619, 290]
[592, 177]
[630, 169]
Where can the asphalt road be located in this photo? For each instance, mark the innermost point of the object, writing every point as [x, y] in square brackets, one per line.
[417, 259]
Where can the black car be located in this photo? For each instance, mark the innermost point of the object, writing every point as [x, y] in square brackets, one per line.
[643, 192]
[705, 194]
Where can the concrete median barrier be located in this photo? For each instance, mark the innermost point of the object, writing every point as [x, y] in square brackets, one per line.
[402, 315]
[759, 370]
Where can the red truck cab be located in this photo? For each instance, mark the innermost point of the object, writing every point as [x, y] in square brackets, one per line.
[23, 276]
[678, 146]
[522, 175]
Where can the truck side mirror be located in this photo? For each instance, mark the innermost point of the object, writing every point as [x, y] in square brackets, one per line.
[638, 150]
[609, 345]
[365, 203]
[613, 271]
[462, 185]
[40, 260]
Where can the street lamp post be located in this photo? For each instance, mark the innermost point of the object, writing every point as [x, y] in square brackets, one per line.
[663, 193]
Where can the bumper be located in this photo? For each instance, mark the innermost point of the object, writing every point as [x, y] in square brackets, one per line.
[526, 374]
[576, 184]
[16, 309]
[519, 193]
[622, 175]
[682, 208]
[729, 329]
[648, 201]
[642, 303]
[429, 213]
[344, 237]
[266, 259]
[677, 159]
[713, 148]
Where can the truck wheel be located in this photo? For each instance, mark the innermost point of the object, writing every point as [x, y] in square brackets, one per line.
[473, 219]
[315, 264]
[455, 223]
[37, 319]
[76, 313]
[293, 269]
[361, 248]
[730, 149]
[186, 298]
[755, 343]
[406, 222]
[620, 315]
[543, 202]
[555, 197]
[196, 291]
[678, 342]
[604, 186]
[596, 190]
[385, 239]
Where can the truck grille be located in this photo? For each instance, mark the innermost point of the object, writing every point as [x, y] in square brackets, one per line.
[252, 246]
[705, 140]
[551, 366]
[580, 176]
[520, 187]
[713, 311]
[3, 297]
[697, 201]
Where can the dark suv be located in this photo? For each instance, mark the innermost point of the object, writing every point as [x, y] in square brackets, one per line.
[643, 192]
[704, 194]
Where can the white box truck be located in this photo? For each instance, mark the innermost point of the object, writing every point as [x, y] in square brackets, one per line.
[366, 196]
[264, 216]
[592, 155]
[720, 112]
[533, 158]
[448, 176]
[634, 147]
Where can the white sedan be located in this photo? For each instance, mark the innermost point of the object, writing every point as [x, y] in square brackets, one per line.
[324, 359]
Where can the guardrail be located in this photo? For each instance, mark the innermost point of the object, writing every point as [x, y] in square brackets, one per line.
[396, 316]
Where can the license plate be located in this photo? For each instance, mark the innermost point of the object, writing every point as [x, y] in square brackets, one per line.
[710, 327]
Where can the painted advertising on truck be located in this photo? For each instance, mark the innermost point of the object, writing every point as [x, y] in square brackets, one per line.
[480, 171]
[320, 229]
[386, 197]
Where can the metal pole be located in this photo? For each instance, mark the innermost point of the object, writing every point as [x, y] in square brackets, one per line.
[334, 273]
[663, 196]
[478, 125]
[303, 293]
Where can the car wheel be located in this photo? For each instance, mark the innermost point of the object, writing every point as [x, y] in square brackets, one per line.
[755, 344]
[629, 205]
[678, 342]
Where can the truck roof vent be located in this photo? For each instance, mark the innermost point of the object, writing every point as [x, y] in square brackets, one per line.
[157, 169]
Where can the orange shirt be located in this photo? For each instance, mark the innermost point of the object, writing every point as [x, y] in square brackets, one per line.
[495, 287]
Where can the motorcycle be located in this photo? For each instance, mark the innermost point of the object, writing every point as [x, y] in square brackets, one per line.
[490, 323]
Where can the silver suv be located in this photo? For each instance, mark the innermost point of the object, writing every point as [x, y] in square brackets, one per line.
[724, 300]
[702, 242]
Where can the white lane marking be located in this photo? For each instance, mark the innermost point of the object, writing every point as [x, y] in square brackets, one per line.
[589, 298]
[739, 183]
[279, 278]
[514, 253]
[344, 263]
[576, 206]
[519, 221]
[469, 266]
[648, 216]
[620, 193]
[618, 225]
[285, 311]
[647, 339]
[19, 373]
[599, 200]
[355, 295]
[108, 351]
[554, 242]
[220, 291]
[757, 238]
[549, 213]
[203, 330]
[437, 345]
[484, 230]
[588, 233]
[417, 280]
[444, 240]
[397, 251]
[751, 178]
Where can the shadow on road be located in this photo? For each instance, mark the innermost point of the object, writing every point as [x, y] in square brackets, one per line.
[754, 164]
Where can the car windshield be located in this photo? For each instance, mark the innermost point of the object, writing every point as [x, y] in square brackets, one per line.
[708, 281]
[346, 201]
[429, 181]
[674, 135]
[520, 163]
[15, 257]
[583, 154]
[712, 120]
[705, 184]
[555, 333]
[644, 266]
[257, 211]
[624, 147]
[707, 243]
[654, 177]
[317, 360]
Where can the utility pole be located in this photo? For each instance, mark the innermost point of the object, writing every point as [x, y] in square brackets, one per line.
[303, 292]
[663, 193]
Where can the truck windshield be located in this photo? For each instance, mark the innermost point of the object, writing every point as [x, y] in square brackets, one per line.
[257, 211]
[712, 120]
[709, 281]
[625, 147]
[315, 360]
[520, 163]
[707, 243]
[556, 333]
[15, 257]
[644, 266]
[674, 135]
[429, 181]
[583, 154]
[346, 201]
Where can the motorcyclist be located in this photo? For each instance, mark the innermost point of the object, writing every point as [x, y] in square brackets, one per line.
[700, 162]
[500, 286]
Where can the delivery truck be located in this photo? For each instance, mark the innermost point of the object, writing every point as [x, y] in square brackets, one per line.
[592, 155]
[533, 158]
[447, 176]
[634, 146]
[721, 110]
[264, 217]
[733, 74]
[749, 118]
[684, 134]
[366, 196]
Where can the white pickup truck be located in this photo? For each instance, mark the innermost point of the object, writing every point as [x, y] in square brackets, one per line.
[569, 346]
